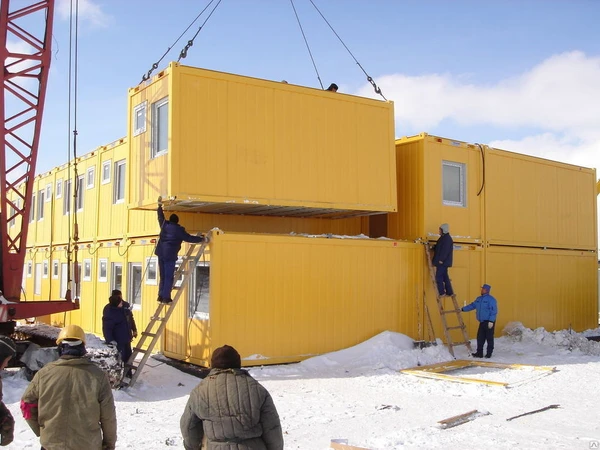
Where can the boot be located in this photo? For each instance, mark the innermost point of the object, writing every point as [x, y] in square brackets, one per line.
[477, 355]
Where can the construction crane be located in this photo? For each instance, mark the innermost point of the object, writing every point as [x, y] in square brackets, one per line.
[24, 81]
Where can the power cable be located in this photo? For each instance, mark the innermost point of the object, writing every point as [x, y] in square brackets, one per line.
[306, 42]
[369, 78]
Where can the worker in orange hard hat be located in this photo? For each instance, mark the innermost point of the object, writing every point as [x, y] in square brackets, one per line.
[69, 401]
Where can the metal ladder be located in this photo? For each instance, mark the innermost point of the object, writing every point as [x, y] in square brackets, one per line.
[443, 312]
[162, 314]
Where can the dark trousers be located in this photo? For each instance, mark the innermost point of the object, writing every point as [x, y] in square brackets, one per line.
[166, 272]
[485, 334]
[124, 349]
[443, 281]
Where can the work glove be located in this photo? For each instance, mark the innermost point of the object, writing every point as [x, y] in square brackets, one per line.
[490, 325]
[159, 200]
[134, 334]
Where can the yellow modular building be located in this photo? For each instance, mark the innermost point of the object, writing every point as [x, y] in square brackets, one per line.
[319, 222]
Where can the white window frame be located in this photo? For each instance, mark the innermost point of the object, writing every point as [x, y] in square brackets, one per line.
[48, 192]
[152, 280]
[205, 292]
[40, 204]
[106, 166]
[13, 213]
[103, 267]
[462, 179]
[45, 269]
[55, 268]
[37, 279]
[90, 177]
[80, 193]
[155, 151]
[113, 270]
[59, 190]
[87, 270]
[132, 288]
[67, 185]
[119, 165]
[139, 110]
[29, 268]
[32, 210]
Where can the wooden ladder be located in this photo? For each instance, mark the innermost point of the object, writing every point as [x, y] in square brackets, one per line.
[444, 312]
[161, 316]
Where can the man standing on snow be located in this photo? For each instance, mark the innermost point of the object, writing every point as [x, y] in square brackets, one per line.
[169, 243]
[486, 310]
[69, 404]
[442, 260]
[128, 313]
[8, 350]
[230, 409]
[116, 326]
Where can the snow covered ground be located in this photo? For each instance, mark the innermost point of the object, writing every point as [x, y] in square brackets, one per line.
[358, 394]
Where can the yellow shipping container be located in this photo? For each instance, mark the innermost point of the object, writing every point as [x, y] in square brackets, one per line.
[222, 143]
[282, 298]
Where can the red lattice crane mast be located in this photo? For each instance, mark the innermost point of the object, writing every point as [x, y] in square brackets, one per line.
[28, 32]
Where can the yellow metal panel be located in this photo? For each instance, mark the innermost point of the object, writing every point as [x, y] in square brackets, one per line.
[541, 204]
[283, 298]
[236, 139]
[554, 289]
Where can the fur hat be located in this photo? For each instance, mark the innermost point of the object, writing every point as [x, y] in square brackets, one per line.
[114, 300]
[445, 228]
[174, 218]
[116, 292]
[7, 347]
[226, 357]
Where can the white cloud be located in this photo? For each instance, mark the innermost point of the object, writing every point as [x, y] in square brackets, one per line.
[88, 11]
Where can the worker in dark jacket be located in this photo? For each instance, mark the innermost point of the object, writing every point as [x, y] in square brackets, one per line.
[486, 308]
[116, 328]
[230, 409]
[128, 313]
[8, 350]
[169, 243]
[69, 403]
[442, 260]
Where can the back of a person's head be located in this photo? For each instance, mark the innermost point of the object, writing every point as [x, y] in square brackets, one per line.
[174, 218]
[226, 357]
[114, 300]
[7, 348]
[71, 341]
[116, 292]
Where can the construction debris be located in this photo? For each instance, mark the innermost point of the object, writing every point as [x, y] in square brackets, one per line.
[461, 418]
[546, 408]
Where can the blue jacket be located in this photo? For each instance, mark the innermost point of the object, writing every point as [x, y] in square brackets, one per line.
[115, 325]
[486, 306]
[171, 237]
[443, 251]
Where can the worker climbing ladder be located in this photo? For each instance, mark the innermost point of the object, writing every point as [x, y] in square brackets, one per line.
[444, 312]
[161, 316]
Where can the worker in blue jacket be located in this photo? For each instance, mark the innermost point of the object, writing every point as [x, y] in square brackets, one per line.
[486, 311]
[169, 243]
[442, 260]
[116, 326]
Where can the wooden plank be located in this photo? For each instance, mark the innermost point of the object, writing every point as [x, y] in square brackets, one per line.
[461, 418]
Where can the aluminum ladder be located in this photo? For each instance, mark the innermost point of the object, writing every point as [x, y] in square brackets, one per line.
[161, 316]
[444, 312]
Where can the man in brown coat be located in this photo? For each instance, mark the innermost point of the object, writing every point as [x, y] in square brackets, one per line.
[230, 409]
[69, 403]
[8, 350]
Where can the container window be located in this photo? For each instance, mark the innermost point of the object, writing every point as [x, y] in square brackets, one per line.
[55, 269]
[59, 184]
[160, 125]
[454, 183]
[79, 194]
[139, 119]
[13, 215]
[67, 199]
[135, 284]
[119, 185]
[37, 279]
[40, 205]
[48, 192]
[116, 276]
[151, 271]
[32, 210]
[29, 268]
[87, 270]
[90, 177]
[199, 294]
[106, 171]
[45, 269]
[103, 270]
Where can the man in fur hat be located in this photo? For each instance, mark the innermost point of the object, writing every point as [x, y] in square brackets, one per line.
[229, 406]
[442, 260]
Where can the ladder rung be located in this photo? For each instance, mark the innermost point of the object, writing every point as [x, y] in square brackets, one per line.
[139, 350]
[448, 311]
[454, 344]
[148, 334]
[460, 327]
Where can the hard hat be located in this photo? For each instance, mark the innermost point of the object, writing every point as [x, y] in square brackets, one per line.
[71, 333]
[7, 346]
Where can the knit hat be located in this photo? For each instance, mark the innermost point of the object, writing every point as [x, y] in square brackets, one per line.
[174, 218]
[226, 357]
[114, 300]
[487, 287]
[116, 292]
[7, 347]
[445, 228]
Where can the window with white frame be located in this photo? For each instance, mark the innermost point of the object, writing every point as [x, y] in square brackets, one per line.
[87, 270]
[139, 118]
[29, 268]
[32, 210]
[45, 269]
[134, 293]
[55, 269]
[90, 177]
[67, 198]
[37, 279]
[106, 171]
[119, 184]
[160, 127]
[80, 192]
[199, 292]
[48, 192]
[59, 185]
[13, 213]
[40, 205]
[454, 184]
[116, 276]
[103, 269]
[152, 270]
